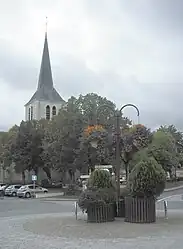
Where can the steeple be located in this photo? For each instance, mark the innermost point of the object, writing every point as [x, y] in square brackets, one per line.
[45, 75]
[45, 89]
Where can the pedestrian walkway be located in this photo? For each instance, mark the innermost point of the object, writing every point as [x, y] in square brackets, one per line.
[56, 231]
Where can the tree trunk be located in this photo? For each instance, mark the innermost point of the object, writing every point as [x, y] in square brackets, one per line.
[126, 171]
[48, 172]
[23, 177]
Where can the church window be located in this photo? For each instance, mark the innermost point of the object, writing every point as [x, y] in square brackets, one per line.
[48, 112]
[31, 113]
[54, 111]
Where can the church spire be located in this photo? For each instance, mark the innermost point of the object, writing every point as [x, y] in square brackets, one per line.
[45, 75]
[45, 89]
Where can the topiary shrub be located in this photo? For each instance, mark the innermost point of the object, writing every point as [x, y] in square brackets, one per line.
[100, 179]
[147, 179]
[100, 190]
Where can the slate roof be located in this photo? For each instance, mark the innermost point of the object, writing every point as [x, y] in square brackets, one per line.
[45, 90]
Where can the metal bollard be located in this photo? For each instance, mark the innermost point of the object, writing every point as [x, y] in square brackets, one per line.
[166, 209]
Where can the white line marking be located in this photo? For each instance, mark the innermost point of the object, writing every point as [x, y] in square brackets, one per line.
[168, 197]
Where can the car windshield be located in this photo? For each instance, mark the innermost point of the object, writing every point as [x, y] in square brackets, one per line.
[23, 187]
[10, 187]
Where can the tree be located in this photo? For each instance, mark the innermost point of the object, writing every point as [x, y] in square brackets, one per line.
[96, 109]
[63, 138]
[163, 149]
[133, 140]
[178, 137]
[6, 140]
[27, 148]
[147, 179]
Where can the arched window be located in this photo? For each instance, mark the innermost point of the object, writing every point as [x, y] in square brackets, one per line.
[31, 113]
[54, 111]
[48, 112]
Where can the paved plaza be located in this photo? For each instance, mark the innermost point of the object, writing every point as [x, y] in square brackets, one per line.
[52, 225]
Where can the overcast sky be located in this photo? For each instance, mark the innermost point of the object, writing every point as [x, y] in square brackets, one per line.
[130, 51]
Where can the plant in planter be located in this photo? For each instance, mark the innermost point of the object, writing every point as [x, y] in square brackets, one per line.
[98, 199]
[134, 139]
[146, 182]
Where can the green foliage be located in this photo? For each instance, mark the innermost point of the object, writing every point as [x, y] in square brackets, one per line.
[100, 179]
[141, 155]
[27, 147]
[6, 140]
[177, 135]
[134, 139]
[163, 149]
[90, 196]
[178, 139]
[62, 139]
[100, 189]
[147, 179]
[60, 143]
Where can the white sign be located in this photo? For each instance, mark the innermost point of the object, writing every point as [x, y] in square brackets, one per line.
[34, 178]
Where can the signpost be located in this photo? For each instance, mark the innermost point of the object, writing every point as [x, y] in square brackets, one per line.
[34, 179]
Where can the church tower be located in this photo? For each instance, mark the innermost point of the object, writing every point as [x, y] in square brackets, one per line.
[46, 101]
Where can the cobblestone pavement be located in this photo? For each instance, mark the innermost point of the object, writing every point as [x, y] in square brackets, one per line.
[62, 231]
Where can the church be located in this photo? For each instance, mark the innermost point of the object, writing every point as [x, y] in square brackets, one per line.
[46, 101]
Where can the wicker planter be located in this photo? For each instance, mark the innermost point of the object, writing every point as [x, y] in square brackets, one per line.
[140, 210]
[100, 212]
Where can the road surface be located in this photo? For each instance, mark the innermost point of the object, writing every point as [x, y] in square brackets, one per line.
[27, 224]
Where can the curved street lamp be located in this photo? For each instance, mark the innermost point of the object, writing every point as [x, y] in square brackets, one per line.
[118, 115]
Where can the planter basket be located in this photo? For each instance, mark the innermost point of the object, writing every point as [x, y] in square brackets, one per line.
[140, 210]
[99, 212]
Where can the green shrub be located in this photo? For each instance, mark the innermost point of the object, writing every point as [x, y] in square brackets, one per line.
[100, 179]
[96, 196]
[147, 179]
[100, 190]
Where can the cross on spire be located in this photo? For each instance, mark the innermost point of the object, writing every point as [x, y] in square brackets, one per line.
[46, 24]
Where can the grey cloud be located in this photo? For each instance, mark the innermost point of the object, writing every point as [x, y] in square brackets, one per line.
[157, 84]
[18, 70]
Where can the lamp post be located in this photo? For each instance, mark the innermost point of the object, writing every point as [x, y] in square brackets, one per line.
[93, 143]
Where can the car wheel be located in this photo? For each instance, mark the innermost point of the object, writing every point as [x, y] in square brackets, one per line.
[27, 195]
[14, 194]
[45, 192]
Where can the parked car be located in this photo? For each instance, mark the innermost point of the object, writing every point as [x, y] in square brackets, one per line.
[12, 190]
[2, 184]
[27, 191]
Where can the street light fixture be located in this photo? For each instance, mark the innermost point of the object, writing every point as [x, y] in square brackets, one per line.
[117, 115]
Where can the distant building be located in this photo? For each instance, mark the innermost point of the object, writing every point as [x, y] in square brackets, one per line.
[46, 101]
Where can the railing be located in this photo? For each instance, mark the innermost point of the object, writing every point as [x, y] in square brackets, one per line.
[165, 205]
